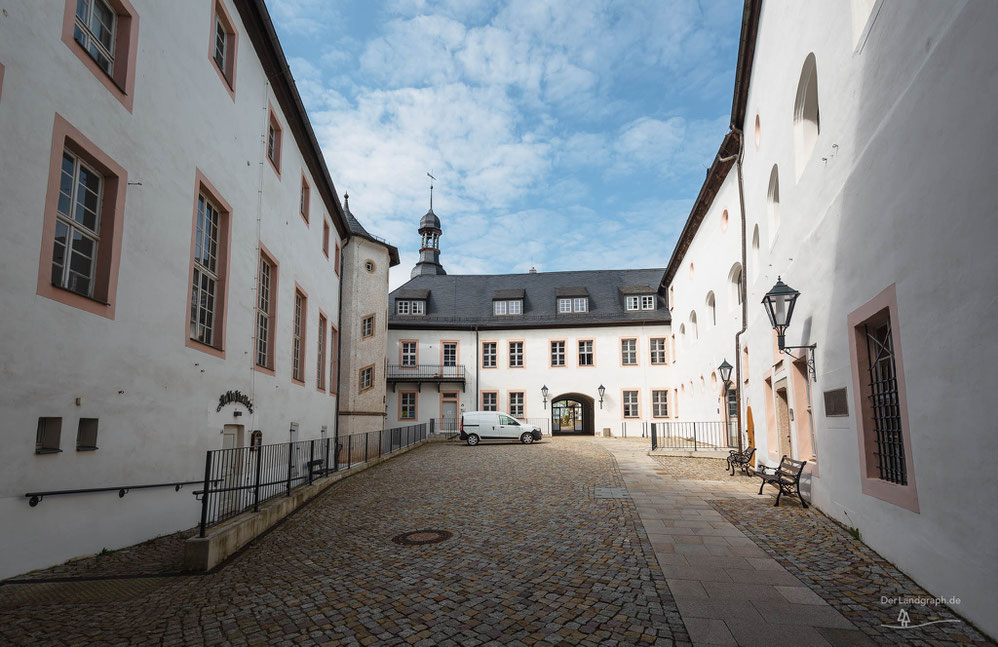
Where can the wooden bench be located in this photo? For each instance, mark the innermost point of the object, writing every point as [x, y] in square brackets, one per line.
[312, 468]
[786, 478]
[741, 459]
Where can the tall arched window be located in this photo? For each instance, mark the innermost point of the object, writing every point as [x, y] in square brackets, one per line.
[755, 253]
[806, 118]
[694, 330]
[711, 309]
[773, 204]
[735, 285]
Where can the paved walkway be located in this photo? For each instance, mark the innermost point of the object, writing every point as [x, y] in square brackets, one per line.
[729, 591]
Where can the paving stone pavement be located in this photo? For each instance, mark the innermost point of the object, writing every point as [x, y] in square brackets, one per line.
[729, 591]
[822, 588]
[849, 575]
[536, 559]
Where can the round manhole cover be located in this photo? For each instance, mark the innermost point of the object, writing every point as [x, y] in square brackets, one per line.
[422, 537]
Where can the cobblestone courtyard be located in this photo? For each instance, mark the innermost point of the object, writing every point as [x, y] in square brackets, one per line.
[571, 541]
[535, 559]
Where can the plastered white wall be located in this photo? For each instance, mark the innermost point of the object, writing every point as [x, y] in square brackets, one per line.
[155, 398]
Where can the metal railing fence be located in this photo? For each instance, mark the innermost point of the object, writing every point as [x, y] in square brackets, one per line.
[425, 372]
[239, 479]
[708, 435]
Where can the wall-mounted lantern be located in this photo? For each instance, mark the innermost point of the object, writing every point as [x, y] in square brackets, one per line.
[779, 303]
[725, 370]
[601, 390]
[544, 393]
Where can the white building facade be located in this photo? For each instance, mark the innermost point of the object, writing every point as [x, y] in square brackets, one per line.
[537, 346]
[170, 252]
[862, 152]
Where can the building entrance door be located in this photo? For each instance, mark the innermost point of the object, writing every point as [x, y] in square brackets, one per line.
[572, 413]
[783, 421]
[448, 413]
[233, 468]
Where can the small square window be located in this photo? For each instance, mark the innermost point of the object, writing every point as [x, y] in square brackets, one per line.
[632, 303]
[499, 307]
[47, 437]
[366, 378]
[648, 302]
[515, 307]
[86, 435]
[581, 304]
[367, 326]
[564, 305]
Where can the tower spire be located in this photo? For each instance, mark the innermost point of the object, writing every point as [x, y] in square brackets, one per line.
[432, 179]
[429, 241]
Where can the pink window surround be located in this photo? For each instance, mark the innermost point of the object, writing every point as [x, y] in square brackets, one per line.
[336, 260]
[228, 77]
[320, 370]
[881, 306]
[523, 399]
[325, 236]
[304, 199]
[303, 349]
[622, 407]
[112, 209]
[667, 403]
[482, 403]
[274, 291]
[203, 187]
[273, 122]
[121, 84]
[334, 358]
[415, 408]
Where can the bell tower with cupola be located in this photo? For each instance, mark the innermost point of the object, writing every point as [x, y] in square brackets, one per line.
[429, 245]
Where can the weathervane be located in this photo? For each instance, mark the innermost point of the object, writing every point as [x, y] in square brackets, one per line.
[431, 190]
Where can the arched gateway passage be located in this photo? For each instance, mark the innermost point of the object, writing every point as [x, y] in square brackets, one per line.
[572, 413]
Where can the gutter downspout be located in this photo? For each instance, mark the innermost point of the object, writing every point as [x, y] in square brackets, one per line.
[478, 394]
[741, 288]
[339, 342]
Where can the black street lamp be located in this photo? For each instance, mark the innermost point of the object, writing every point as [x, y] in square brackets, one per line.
[725, 370]
[601, 390]
[544, 392]
[779, 303]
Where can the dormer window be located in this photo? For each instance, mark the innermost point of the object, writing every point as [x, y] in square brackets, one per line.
[410, 307]
[509, 307]
[508, 301]
[641, 302]
[572, 300]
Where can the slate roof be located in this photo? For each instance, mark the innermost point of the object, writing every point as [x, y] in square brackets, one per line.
[357, 229]
[465, 301]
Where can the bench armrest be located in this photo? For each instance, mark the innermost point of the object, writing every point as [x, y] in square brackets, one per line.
[766, 468]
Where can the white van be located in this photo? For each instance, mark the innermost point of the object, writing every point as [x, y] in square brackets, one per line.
[495, 425]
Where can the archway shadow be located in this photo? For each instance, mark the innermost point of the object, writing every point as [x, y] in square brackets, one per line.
[572, 413]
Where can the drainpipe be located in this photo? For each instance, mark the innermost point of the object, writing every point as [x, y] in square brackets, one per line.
[339, 342]
[478, 395]
[741, 288]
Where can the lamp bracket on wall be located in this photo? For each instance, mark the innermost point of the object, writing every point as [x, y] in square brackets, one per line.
[808, 354]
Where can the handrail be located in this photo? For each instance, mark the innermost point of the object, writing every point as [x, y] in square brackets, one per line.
[441, 372]
[34, 498]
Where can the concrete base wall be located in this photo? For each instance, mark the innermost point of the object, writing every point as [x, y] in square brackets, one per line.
[223, 540]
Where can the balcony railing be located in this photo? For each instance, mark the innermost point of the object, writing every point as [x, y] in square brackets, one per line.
[425, 373]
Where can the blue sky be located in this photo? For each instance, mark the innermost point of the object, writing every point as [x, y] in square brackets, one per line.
[563, 135]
